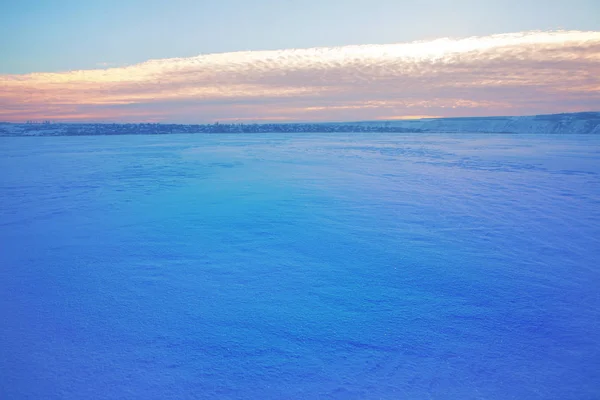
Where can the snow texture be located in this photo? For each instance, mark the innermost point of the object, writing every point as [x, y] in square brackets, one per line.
[582, 123]
[300, 266]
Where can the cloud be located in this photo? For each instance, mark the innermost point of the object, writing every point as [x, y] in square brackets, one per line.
[520, 73]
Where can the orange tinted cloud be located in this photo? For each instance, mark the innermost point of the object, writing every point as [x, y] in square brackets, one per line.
[522, 73]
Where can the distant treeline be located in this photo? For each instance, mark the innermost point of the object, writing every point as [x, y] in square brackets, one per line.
[158, 129]
[570, 123]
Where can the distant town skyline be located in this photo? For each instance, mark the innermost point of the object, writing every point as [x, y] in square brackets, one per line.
[198, 62]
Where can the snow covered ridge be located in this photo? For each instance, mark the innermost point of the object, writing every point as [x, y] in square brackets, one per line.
[572, 123]
[582, 123]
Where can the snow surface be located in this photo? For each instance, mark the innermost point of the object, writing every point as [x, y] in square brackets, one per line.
[570, 123]
[296, 266]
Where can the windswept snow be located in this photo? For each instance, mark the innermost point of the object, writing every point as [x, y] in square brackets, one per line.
[301, 266]
[575, 123]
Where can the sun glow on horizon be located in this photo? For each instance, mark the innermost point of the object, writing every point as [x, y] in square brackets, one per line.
[408, 117]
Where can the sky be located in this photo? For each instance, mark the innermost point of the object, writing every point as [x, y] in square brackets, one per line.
[239, 60]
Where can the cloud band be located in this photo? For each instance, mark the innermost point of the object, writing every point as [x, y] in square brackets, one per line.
[521, 73]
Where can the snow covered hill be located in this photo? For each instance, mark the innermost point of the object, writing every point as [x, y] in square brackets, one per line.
[585, 122]
[573, 123]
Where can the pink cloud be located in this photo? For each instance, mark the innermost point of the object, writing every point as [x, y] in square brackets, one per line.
[522, 73]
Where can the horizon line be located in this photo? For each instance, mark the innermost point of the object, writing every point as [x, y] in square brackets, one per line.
[220, 122]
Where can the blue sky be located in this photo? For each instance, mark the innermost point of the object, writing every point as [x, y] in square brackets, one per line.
[64, 35]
